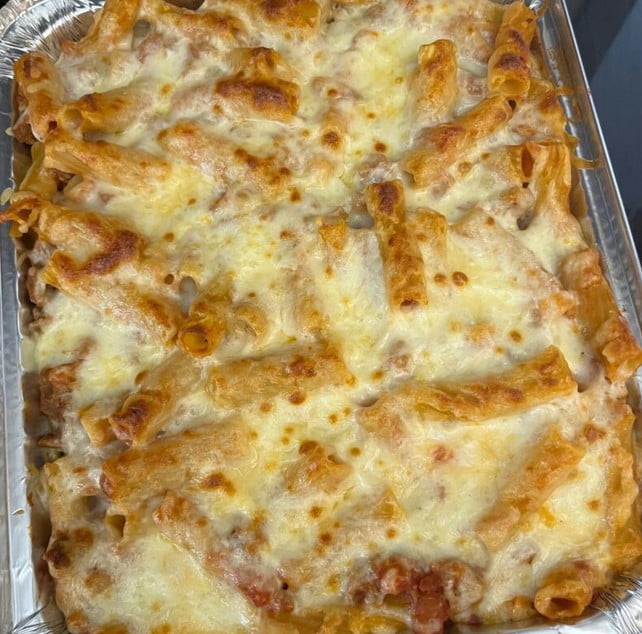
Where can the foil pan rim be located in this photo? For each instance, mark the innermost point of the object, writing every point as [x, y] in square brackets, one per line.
[38, 23]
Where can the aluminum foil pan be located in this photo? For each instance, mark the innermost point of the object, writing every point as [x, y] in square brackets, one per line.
[26, 604]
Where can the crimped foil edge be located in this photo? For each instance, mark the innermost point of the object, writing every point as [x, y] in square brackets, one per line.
[41, 24]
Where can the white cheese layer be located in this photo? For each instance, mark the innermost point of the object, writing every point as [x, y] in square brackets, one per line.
[484, 315]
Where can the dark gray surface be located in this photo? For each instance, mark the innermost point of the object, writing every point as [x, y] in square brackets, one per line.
[616, 84]
[596, 24]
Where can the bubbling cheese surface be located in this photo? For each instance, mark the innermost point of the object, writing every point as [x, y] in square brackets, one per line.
[285, 523]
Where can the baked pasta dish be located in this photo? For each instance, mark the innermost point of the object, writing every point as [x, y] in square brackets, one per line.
[323, 344]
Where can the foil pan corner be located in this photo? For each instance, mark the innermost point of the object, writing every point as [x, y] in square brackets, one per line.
[43, 24]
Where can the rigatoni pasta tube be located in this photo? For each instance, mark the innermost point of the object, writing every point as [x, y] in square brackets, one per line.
[402, 263]
[430, 229]
[207, 321]
[439, 147]
[110, 111]
[114, 22]
[39, 180]
[509, 64]
[139, 473]
[291, 374]
[480, 232]
[530, 383]
[39, 97]
[145, 411]
[221, 160]
[567, 590]
[239, 564]
[612, 340]
[155, 315]
[105, 161]
[434, 86]
[548, 466]
[200, 27]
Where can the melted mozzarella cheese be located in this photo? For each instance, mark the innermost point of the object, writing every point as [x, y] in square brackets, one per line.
[360, 65]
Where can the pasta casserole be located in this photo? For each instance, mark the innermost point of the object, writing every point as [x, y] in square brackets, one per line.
[323, 342]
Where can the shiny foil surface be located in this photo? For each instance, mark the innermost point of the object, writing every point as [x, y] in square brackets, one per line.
[26, 603]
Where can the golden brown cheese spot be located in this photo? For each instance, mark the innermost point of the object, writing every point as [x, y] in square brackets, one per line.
[460, 279]
[295, 195]
[315, 511]
[135, 414]
[464, 167]
[195, 339]
[333, 584]
[380, 147]
[163, 628]
[265, 407]
[592, 433]
[296, 398]
[118, 247]
[332, 140]
[325, 538]
[302, 366]
[82, 537]
[115, 628]
[515, 335]
[98, 581]
[480, 334]
[594, 505]
[302, 15]
[440, 278]
[57, 554]
[217, 480]
[270, 98]
[388, 197]
[266, 171]
[114, 523]
[76, 619]
[308, 446]
[441, 454]
[316, 469]
[333, 230]
[511, 63]
[546, 516]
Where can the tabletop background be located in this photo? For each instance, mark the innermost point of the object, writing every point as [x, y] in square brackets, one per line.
[609, 35]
